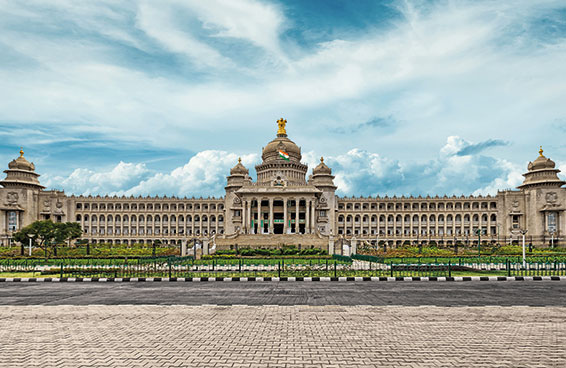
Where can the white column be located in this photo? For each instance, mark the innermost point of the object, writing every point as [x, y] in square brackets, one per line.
[296, 215]
[307, 218]
[313, 221]
[284, 215]
[249, 224]
[270, 225]
[244, 227]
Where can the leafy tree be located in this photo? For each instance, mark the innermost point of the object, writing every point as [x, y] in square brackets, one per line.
[46, 234]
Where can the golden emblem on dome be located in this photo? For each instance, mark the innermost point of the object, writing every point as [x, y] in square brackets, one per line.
[281, 124]
[21, 151]
[540, 151]
[322, 160]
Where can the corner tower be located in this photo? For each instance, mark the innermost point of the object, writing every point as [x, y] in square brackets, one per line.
[21, 174]
[541, 174]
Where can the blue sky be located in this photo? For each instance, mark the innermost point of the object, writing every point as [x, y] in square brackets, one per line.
[401, 97]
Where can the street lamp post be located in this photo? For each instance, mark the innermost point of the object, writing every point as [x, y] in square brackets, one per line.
[523, 232]
[30, 236]
[498, 230]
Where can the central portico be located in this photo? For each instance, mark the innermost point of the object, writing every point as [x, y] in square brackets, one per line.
[282, 201]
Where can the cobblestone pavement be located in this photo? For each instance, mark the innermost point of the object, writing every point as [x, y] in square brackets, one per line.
[281, 336]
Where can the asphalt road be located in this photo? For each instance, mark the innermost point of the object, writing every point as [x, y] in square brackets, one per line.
[475, 293]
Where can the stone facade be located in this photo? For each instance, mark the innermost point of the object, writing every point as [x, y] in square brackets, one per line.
[283, 206]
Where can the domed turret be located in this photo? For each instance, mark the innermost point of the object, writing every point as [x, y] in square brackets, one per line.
[321, 168]
[322, 176]
[281, 159]
[21, 174]
[541, 173]
[238, 175]
[239, 169]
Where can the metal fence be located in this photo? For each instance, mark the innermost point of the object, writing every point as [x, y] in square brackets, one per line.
[339, 266]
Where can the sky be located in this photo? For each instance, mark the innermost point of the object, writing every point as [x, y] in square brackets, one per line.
[401, 97]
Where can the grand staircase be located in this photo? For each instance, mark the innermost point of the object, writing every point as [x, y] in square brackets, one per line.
[273, 241]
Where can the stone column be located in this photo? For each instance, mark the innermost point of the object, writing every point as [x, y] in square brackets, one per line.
[270, 226]
[259, 218]
[284, 215]
[296, 215]
[249, 220]
[353, 246]
[313, 220]
[244, 227]
[307, 217]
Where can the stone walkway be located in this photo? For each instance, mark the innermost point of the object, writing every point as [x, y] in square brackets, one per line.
[281, 336]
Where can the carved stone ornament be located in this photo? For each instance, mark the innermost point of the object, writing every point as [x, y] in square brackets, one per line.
[322, 200]
[515, 204]
[237, 200]
[551, 198]
[279, 180]
[59, 204]
[47, 203]
[12, 197]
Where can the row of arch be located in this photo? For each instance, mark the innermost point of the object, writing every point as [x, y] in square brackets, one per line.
[149, 207]
[415, 219]
[149, 231]
[423, 206]
[147, 218]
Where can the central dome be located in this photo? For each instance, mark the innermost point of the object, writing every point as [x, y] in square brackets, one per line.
[281, 158]
[280, 146]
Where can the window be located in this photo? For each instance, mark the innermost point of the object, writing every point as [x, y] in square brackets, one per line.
[551, 222]
[515, 221]
[322, 213]
[12, 221]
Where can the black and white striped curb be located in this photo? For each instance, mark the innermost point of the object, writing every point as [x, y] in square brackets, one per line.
[289, 279]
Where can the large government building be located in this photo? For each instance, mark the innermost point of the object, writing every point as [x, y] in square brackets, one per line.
[283, 206]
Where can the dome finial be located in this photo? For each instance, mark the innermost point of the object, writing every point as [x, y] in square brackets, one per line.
[21, 151]
[239, 160]
[321, 159]
[540, 151]
[281, 124]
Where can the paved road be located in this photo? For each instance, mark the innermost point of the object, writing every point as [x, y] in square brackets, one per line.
[280, 336]
[506, 293]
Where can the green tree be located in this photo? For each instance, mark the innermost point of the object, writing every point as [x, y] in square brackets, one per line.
[46, 234]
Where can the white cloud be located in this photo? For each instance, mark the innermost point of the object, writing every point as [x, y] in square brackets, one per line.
[204, 175]
[357, 172]
[478, 69]
[85, 181]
